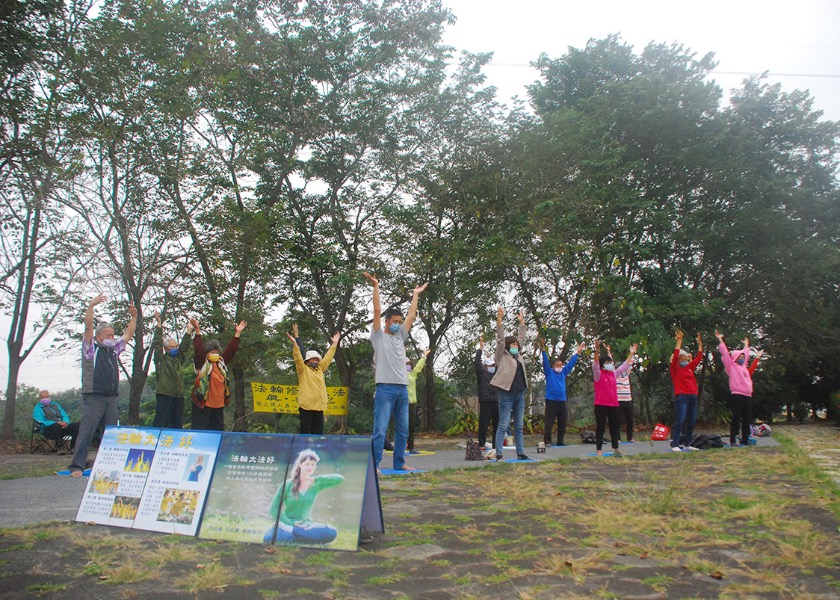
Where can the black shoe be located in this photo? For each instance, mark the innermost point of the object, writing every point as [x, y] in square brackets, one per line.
[523, 457]
[561, 444]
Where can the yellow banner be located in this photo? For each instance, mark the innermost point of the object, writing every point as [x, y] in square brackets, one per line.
[277, 398]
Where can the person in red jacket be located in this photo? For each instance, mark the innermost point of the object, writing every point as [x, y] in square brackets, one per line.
[685, 394]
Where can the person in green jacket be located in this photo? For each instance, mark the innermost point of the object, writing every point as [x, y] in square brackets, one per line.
[169, 358]
[413, 373]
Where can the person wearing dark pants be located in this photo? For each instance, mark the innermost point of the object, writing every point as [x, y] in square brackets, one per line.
[54, 423]
[488, 401]
[413, 373]
[312, 386]
[555, 393]
[100, 379]
[606, 395]
[740, 386]
[169, 358]
[211, 391]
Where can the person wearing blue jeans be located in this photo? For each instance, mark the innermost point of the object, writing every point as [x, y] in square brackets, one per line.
[685, 417]
[682, 369]
[391, 377]
[511, 382]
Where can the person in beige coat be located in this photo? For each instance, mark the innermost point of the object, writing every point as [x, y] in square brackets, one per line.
[511, 382]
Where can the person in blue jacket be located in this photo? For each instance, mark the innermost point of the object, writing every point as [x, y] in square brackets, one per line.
[555, 393]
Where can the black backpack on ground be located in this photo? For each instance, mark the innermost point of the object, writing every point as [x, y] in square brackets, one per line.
[703, 441]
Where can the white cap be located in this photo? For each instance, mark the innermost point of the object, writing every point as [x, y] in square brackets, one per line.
[311, 354]
[489, 361]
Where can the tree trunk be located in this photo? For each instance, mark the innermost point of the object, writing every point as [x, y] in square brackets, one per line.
[431, 401]
[11, 396]
[240, 423]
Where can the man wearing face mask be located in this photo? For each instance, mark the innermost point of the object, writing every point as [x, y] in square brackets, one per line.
[100, 379]
[54, 422]
[211, 391]
[555, 393]
[312, 386]
[740, 388]
[685, 394]
[488, 401]
[169, 357]
[388, 337]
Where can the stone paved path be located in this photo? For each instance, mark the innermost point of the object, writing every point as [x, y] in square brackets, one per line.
[821, 441]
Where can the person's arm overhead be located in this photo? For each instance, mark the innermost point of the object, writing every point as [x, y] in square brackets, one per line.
[377, 306]
[412, 310]
[88, 335]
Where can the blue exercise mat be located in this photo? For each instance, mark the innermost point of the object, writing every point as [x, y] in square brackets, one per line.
[400, 471]
[66, 473]
[604, 454]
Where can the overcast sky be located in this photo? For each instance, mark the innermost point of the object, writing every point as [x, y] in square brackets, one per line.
[797, 42]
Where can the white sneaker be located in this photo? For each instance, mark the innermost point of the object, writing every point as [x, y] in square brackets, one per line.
[676, 449]
[490, 454]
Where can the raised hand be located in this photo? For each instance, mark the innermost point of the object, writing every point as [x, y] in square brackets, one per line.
[157, 318]
[291, 337]
[194, 323]
[699, 340]
[581, 347]
[426, 352]
[634, 348]
[500, 313]
[336, 336]
[521, 317]
[759, 354]
[746, 341]
[132, 311]
[420, 288]
[679, 335]
[242, 325]
[719, 335]
[371, 278]
[295, 331]
[97, 300]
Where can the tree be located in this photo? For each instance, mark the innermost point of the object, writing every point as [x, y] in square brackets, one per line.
[43, 250]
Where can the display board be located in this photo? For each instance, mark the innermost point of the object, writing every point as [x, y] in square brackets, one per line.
[178, 481]
[278, 398]
[298, 490]
[118, 476]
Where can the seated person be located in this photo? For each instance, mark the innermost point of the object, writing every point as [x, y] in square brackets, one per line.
[54, 422]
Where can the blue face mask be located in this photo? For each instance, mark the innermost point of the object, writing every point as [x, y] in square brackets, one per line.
[491, 370]
[513, 350]
[394, 327]
[609, 367]
[683, 363]
[173, 352]
[741, 360]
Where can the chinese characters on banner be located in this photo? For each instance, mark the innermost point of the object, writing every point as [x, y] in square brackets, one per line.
[118, 476]
[278, 398]
[178, 481]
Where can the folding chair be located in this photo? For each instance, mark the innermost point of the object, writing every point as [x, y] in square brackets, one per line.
[39, 442]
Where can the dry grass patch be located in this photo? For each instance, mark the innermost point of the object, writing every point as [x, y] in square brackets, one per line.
[213, 576]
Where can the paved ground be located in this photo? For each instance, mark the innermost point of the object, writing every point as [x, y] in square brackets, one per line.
[33, 500]
[822, 443]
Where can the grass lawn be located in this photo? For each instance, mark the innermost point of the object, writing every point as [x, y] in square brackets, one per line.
[745, 523]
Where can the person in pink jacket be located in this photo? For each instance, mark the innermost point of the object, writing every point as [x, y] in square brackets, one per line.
[606, 396]
[740, 388]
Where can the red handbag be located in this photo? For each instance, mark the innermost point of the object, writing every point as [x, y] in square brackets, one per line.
[660, 432]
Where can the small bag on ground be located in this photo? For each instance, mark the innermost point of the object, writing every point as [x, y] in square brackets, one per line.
[473, 450]
[660, 432]
[587, 437]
